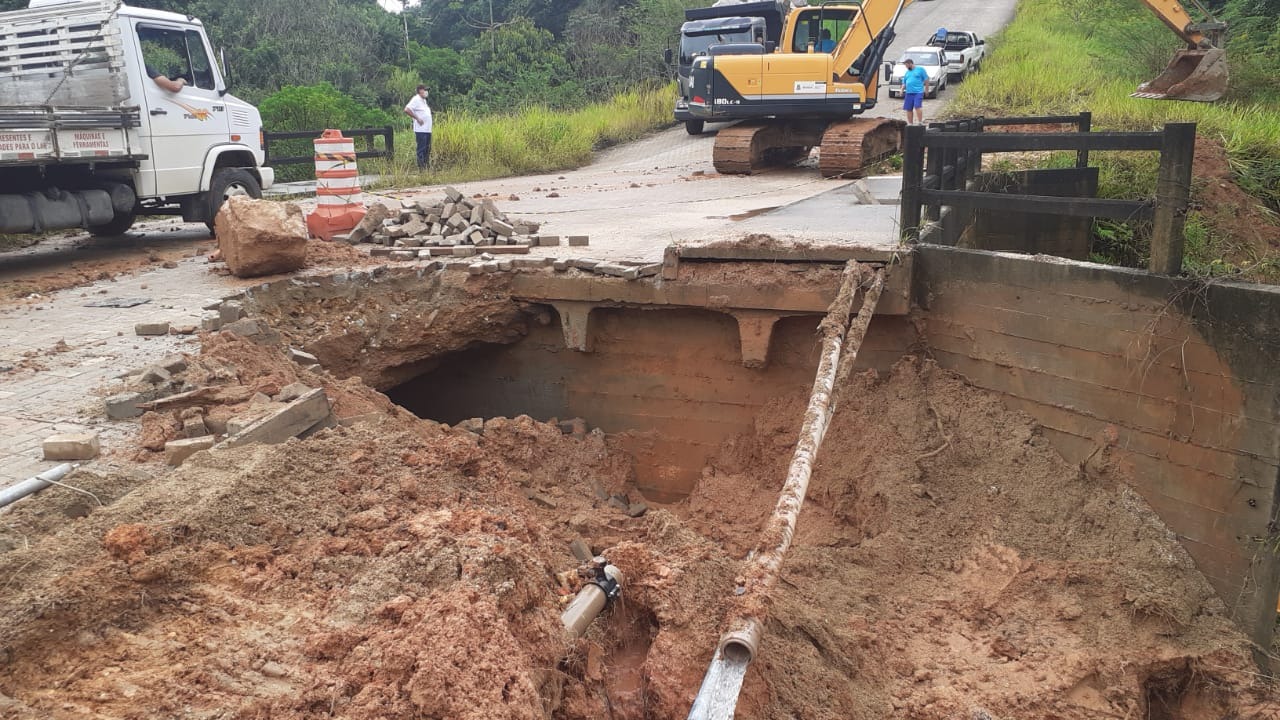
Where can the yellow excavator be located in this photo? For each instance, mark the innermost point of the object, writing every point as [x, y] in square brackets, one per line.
[803, 93]
[1198, 73]
[825, 70]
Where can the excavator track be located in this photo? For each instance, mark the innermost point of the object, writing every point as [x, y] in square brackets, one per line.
[755, 145]
[851, 146]
[848, 146]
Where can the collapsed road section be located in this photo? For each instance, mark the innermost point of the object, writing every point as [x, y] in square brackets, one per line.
[420, 559]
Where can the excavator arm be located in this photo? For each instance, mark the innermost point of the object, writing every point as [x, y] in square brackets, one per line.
[1198, 73]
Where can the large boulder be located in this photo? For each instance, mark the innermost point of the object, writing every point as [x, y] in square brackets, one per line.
[261, 237]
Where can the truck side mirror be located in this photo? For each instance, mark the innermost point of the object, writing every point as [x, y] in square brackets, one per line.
[886, 71]
[982, 42]
[666, 56]
[770, 46]
[226, 72]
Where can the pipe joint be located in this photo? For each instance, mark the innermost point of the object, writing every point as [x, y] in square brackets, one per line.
[605, 576]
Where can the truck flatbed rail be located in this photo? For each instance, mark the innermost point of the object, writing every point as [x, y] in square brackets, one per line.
[50, 134]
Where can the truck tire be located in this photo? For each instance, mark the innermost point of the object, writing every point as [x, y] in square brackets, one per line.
[694, 127]
[119, 225]
[225, 183]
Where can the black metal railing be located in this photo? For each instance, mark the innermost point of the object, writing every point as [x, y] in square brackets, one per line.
[367, 135]
[940, 163]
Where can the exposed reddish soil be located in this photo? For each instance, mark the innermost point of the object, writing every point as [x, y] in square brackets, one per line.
[1251, 233]
[949, 564]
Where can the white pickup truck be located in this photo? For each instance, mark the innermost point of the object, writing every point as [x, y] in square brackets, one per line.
[965, 50]
[89, 138]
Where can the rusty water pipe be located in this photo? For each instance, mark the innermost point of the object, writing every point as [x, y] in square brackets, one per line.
[603, 586]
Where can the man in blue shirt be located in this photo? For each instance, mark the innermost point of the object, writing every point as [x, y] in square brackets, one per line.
[913, 91]
[826, 44]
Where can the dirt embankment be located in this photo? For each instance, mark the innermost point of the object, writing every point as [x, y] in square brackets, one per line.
[949, 564]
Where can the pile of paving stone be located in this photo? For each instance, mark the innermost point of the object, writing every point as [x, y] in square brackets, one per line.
[452, 222]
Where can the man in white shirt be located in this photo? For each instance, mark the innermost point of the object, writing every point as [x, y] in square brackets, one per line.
[421, 114]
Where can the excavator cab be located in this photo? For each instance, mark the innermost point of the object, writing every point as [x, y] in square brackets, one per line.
[1198, 73]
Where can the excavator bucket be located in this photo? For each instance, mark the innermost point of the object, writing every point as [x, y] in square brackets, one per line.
[1199, 75]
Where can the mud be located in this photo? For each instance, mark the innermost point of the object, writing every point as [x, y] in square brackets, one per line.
[947, 564]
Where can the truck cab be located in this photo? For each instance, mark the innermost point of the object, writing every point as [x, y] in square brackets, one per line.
[153, 150]
[964, 50]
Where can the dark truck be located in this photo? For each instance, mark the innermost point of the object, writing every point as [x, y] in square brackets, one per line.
[726, 23]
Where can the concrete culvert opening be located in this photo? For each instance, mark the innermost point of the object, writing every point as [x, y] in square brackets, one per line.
[948, 562]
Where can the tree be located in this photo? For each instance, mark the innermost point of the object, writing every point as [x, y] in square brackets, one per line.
[518, 64]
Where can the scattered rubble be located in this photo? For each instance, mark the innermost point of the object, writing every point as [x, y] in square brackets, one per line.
[453, 221]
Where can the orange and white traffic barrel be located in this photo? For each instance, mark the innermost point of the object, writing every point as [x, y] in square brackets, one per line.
[339, 205]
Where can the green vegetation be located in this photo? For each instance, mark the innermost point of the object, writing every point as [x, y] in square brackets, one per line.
[1063, 56]
[468, 146]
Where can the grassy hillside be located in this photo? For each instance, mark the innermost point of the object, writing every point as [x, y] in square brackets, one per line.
[536, 139]
[1061, 56]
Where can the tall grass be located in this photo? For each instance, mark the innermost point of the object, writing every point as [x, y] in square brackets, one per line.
[531, 140]
[1043, 63]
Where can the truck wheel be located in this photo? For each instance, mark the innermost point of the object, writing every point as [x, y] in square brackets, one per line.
[227, 182]
[694, 127]
[119, 225]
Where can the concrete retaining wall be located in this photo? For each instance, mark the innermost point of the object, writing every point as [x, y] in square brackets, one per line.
[1185, 377]
[672, 377]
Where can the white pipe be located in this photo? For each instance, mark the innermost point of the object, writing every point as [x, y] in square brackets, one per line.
[718, 695]
[17, 491]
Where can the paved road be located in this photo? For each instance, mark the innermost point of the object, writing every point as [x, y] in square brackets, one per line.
[918, 22]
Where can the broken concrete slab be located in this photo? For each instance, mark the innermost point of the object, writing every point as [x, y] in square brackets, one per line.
[231, 311]
[286, 422]
[369, 224]
[177, 451]
[174, 363]
[302, 357]
[292, 392]
[124, 405]
[244, 327]
[71, 446]
[156, 375]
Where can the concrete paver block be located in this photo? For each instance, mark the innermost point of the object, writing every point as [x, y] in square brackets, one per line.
[548, 241]
[151, 328]
[210, 321]
[71, 446]
[302, 357]
[579, 240]
[231, 311]
[124, 405]
[177, 451]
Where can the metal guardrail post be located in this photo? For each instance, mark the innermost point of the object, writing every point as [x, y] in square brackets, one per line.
[912, 176]
[1084, 125]
[1173, 194]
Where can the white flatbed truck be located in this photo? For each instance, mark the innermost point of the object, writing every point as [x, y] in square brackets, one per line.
[89, 139]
